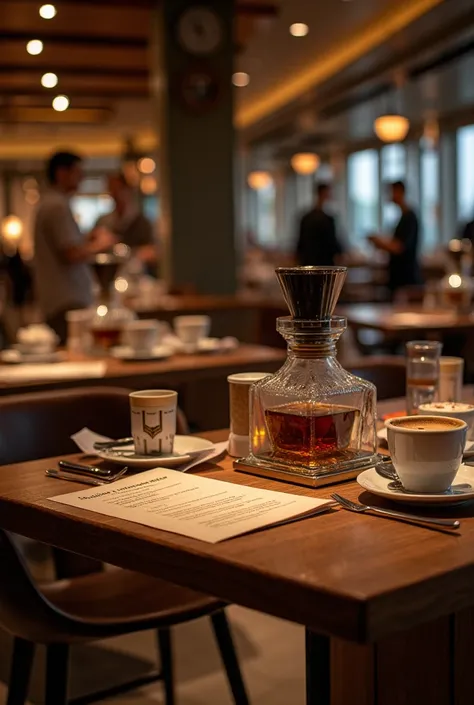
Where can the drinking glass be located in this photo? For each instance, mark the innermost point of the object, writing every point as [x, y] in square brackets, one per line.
[422, 373]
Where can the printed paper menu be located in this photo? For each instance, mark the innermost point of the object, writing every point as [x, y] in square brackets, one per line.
[191, 505]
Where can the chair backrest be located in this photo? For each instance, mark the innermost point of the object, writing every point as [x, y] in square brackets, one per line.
[388, 373]
[24, 612]
[39, 425]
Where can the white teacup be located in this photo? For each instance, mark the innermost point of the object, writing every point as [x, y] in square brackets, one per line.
[191, 329]
[153, 414]
[426, 450]
[141, 336]
[455, 409]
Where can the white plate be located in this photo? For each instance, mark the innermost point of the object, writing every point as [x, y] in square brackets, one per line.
[124, 352]
[185, 448]
[16, 357]
[382, 436]
[371, 481]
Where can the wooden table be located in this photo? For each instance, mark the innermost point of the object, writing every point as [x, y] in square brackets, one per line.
[251, 317]
[192, 375]
[405, 320]
[396, 600]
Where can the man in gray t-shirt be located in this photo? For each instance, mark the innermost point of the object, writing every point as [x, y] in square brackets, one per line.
[63, 277]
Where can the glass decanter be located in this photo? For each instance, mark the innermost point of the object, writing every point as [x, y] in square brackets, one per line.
[311, 422]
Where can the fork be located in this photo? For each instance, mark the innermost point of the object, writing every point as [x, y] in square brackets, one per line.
[391, 514]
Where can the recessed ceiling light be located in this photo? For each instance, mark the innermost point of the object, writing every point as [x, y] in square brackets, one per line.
[34, 47]
[49, 80]
[299, 29]
[61, 103]
[240, 79]
[146, 165]
[47, 12]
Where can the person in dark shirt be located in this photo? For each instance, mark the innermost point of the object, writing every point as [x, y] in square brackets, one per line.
[404, 267]
[318, 244]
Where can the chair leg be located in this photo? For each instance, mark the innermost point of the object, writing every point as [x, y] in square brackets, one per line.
[229, 657]
[57, 661]
[20, 671]
[166, 657]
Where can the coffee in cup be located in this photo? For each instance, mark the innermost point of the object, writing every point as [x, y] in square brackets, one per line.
[455, 409]
[191, 329]
[426, 451]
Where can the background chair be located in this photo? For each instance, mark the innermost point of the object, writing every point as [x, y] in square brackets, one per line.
[40, 425]
[388, 373]
[95, 607]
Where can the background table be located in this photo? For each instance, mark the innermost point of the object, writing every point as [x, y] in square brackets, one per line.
[397, 600]
[197, 378]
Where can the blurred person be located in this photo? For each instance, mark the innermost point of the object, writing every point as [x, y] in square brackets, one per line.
[404, 267]
[318, 243]
[63, 276]
[127, 222]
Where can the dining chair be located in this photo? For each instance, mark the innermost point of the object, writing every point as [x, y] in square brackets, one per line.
[98, 606]
[40, 425]
[86, 602]
[387, 372]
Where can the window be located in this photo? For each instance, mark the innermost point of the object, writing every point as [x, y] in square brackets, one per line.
[465, 180]
[363, 192]
[265, 217]
[87, 209]
[394, 168]
[429, 197]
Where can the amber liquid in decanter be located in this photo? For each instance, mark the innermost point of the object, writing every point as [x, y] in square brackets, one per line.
[299, 431]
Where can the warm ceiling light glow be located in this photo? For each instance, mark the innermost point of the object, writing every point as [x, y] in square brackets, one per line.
[49, 80]
[146, 165]
[12, 228]
[305, 162]
[391, 128]
[240, 79]
[34, 47]
[455, 281]
[259, 179]
[299, 29]
[61, 103]
[47, 12]
[148, 185]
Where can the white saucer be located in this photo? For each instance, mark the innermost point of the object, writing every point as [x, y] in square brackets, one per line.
[185, 448]
[382, 436]
[128, 354]
[16, 357]
[371, 481]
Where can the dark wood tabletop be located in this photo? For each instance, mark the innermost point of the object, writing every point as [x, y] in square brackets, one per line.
[353, 576]
[177, 369]
[398, 319]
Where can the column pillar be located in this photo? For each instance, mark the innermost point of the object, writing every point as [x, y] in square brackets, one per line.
[448, 186]
[192, 58]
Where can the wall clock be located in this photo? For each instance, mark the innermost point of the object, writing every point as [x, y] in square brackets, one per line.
[200, 30]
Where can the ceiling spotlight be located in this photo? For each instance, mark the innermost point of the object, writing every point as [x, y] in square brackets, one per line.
[61, 103]
[34, 47]
[49, 80]
[47, 12]
[259, 180]
[240, 79]
[146, 165]
[299, 29]
[305, 163]
[391, 127]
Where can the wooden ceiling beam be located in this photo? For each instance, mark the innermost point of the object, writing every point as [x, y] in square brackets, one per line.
[72, 71]
[76, 40]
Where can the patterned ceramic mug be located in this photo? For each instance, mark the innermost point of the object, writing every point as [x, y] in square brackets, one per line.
[153, 420]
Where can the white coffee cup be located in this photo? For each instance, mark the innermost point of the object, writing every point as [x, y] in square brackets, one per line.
[191, 329]
[153, 414]
[455, 409]
[142, 335]
[426, 451]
